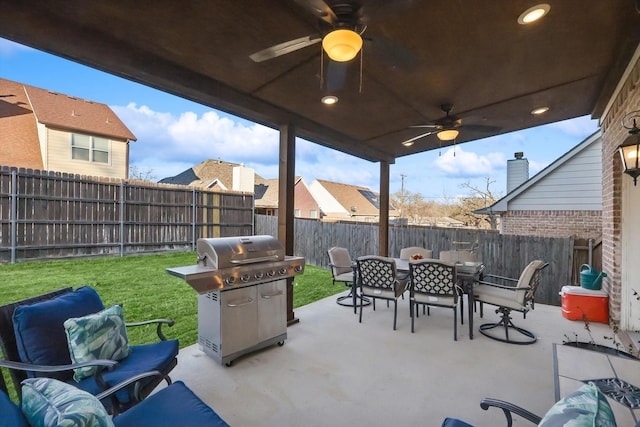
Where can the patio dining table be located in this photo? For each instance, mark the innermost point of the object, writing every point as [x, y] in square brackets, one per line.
[468, 273]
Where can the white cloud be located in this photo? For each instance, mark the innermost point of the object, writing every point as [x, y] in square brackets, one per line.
[165, 139]
[456, 162]
[580, 126]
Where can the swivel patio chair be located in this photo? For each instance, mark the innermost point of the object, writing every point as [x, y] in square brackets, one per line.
[342, 271]
[433, 283]
[50, 402]
[508, 295]
[407, 253]
[35, 331]
[378, 278]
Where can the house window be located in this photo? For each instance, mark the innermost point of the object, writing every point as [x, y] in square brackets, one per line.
[89, 148]
[296, 213]
[313, 214]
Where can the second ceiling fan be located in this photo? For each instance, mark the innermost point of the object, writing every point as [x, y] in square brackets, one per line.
[447, 128]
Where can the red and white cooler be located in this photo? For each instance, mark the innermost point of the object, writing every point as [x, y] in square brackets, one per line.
[578, 302]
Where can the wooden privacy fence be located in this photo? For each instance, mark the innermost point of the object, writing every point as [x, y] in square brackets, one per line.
[46, 215]
[505, 255]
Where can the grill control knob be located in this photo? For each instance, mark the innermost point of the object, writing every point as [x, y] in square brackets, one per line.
[258, 275]
[271, 273]
[282, 271]
[245, 278]
[230, 280]
[297, 268]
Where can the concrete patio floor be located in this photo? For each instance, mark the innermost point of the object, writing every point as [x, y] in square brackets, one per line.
[334, 371]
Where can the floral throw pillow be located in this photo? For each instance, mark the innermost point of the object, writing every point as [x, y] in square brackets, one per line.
[101, 335]
[47, 402]
[587, 406]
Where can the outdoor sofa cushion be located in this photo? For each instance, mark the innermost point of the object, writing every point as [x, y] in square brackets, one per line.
[47, 402]
[586, 406]
[102, 335]
[40, 335]
[173, 406]
[10, 413]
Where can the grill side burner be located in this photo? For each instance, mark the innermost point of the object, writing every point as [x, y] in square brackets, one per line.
[242, 294]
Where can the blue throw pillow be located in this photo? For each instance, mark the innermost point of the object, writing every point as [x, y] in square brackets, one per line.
[47, 402]
[40, 335]
[101, 335]
[587, 406]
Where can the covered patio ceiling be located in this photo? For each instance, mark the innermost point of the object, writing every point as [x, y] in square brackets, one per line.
[417, 55]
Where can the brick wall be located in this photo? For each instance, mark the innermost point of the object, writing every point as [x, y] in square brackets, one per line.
[578, 224]
[613, 134]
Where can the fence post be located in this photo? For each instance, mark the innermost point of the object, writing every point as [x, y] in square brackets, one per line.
[121, 218]
[193, 220]
[14, 214]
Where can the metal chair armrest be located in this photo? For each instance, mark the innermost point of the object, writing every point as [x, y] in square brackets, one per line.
[508, 409]
[159, 322]
[57, 368]
[495, 276]
[506, 287]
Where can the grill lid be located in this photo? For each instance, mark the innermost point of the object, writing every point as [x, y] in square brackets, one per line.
[225, 252]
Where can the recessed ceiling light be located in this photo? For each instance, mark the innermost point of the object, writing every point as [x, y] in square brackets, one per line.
[539, 110]
[408, 143]
[329, 99]
[533, 13]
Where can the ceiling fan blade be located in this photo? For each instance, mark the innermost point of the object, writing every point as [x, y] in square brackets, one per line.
[320, 9]
[426, 126]
[284, 48]
[409, 142]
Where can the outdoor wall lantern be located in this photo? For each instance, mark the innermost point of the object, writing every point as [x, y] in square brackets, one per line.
[630, 149]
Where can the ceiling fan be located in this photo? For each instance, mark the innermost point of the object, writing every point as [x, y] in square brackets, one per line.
[341, 24]
[447, 128]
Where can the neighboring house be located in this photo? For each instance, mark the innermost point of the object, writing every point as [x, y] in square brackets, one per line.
[45, 130]
[304, 204]
[562, 200]
[217, 175]
[347, 202]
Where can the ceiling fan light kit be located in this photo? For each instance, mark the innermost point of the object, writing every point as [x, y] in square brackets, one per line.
[342, 45]
[447, 134]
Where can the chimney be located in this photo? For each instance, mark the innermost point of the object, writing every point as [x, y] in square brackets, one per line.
[243, 179]
[517, 171]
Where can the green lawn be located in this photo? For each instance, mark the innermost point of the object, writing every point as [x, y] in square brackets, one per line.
[142, 285]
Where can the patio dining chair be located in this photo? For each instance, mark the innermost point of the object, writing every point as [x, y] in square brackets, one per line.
[342, 271]
[378, 279]
[433, 283]
[68, 327]
[509, 295]
[407, 253]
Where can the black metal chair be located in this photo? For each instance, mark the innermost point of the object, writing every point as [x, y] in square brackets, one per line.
[433, 283]
[42, 335]
[342, 270]
[510, 295]
[378, 279]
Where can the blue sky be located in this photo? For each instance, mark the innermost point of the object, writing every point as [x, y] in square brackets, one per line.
[175, 134]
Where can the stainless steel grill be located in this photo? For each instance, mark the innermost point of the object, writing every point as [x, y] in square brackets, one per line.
[242, 302]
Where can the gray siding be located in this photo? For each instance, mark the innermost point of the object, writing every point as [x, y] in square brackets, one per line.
[576, 185]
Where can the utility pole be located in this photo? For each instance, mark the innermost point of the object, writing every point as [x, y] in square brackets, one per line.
[402, 177]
